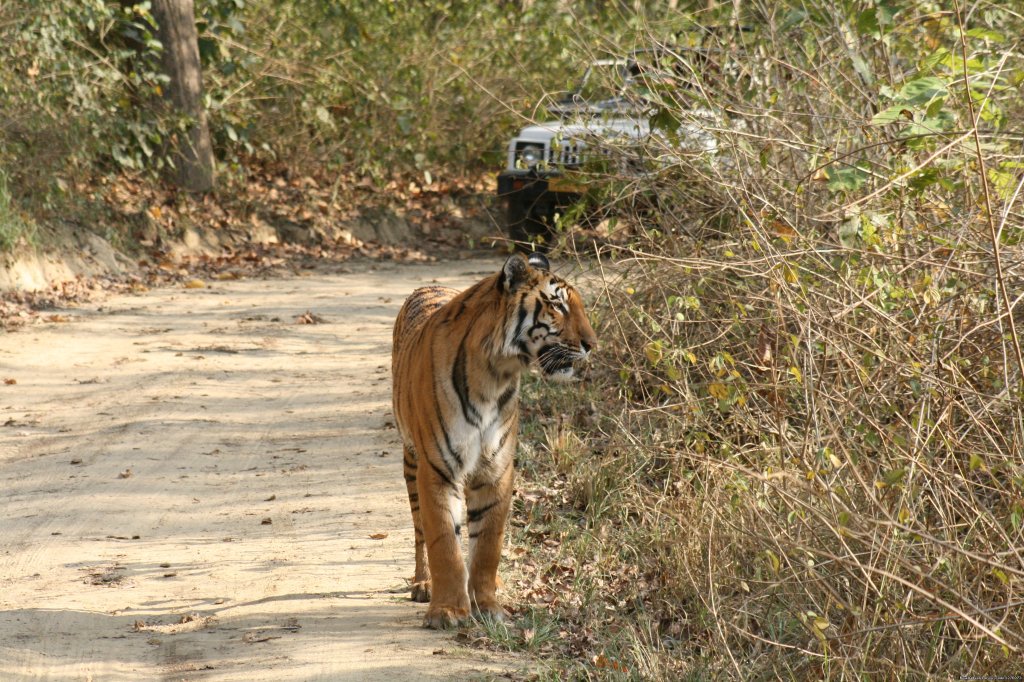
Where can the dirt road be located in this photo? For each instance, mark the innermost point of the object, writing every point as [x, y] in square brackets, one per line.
[195, 486]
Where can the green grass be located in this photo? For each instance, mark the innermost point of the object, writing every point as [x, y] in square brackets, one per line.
[529, 632]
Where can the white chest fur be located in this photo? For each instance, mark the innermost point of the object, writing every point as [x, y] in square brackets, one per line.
[477, 445]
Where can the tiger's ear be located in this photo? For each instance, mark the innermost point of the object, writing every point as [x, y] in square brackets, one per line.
[513, 274]
[539, 260]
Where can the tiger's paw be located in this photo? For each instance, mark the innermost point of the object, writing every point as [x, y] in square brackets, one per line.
[490, 611]
[444, 617]
[421, 592]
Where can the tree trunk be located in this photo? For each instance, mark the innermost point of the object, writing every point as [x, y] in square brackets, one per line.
[192, 153]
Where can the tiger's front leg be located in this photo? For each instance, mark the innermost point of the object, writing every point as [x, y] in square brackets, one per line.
[441, 513]
[487, 504]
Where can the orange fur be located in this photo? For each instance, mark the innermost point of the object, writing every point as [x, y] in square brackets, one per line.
[456, 365]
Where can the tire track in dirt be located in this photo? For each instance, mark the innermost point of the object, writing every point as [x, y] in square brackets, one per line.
[191, 479]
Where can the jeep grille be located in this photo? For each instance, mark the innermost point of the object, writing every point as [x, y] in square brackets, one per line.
[569, 155]
[565, 154]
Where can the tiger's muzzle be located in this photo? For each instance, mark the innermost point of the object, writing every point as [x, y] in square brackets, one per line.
[558, 362]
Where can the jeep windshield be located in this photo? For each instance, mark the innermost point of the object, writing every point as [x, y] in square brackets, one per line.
[623, 85]
[599, 89]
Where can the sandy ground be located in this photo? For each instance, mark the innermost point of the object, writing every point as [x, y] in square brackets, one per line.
[193, 486]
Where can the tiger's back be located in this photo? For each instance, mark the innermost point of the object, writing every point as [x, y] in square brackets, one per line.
[456, 365]
[412, 318]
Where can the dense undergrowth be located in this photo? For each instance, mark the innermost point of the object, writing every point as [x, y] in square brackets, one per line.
[363, 96]
[799, 453]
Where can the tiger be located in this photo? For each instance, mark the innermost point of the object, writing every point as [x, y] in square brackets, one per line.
[456, 364]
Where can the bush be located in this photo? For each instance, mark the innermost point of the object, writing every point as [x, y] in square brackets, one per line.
[814, 341]
[379, 87]
[385, 91]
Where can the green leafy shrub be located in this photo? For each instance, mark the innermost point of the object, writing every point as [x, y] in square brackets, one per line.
[390, 91]
[381, 86]
[75, 79]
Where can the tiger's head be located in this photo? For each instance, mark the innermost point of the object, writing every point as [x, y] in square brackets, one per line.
[546, 322]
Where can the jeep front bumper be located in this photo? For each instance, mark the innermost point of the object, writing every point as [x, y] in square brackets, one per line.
[532, 188]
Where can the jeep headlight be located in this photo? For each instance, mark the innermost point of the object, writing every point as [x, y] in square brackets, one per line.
[529, 155]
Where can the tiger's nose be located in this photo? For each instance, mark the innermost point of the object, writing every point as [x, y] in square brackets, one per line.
[585, 346]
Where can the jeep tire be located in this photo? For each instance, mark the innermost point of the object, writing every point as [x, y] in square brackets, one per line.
[526, 222]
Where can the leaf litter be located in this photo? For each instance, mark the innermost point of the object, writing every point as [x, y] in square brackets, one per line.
[300, 215]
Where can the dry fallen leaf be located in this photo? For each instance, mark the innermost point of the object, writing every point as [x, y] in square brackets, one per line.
[127, 473]
[309, 318]
[602, 661]
[267, 521]
[195, 284]
[10, 382]
[378, 536]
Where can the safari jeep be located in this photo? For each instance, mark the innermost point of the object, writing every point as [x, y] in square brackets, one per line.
[607, 117]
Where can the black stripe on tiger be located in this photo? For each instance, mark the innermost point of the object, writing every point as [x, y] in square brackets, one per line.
[453, 454]
[520, 321]
[506, 396]
[536, 326]
[506, 432]
[444, 475]
[461, 384]
[475, 515]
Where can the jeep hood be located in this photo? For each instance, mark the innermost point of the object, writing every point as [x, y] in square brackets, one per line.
[695, 134]
[635, 128]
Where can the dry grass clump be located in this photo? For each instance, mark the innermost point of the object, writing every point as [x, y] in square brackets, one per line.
[805, 457]
[806, 476]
